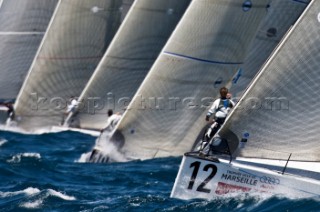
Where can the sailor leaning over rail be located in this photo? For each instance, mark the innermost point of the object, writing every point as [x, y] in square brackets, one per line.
[220, 108]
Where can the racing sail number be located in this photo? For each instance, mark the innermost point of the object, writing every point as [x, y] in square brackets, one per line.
[196, 166]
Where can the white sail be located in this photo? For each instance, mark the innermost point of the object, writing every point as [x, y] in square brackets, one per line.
[282, 14]
[203, 54]
[279, 110]
[22, 26]
[79, 34]
[129, 57]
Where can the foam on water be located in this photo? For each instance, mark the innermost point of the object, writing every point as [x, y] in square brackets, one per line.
[37, 203]
[17, 158]
[32, 205]
[28, 191]
[60, 195]
[3, 141]
[49, 180]
[105, 149]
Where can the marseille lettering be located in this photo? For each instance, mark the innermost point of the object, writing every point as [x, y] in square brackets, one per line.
[240, 178]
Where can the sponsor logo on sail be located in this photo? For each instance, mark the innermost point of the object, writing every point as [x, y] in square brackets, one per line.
[170, 11]
[96, 9]
[247, 6]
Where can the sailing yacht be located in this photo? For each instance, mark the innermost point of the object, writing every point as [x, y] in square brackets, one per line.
[125, 64]
[202, 54]
[23, 24]
[271, 137]
[78, 35]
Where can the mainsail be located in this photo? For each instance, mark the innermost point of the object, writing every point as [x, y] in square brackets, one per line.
[79, 34]
[129, 57]
[278, 112]
[282, 14]
[22, 26]
[203, 54]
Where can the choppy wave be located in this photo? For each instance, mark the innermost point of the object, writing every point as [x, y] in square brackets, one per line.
[3, 141]
[28, 191]
[17, 158]
[38, 202]
[106, 151]
[52, 179]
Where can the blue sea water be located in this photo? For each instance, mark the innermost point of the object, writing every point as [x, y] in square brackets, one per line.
[41, 173]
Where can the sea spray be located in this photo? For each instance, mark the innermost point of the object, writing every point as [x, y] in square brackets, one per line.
[104, 151]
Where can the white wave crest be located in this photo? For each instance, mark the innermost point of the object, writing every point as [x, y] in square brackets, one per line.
[3, 141]
[28, 191]
[60, 195]
[32, 205]
[112, 151]
[49, 192]
[83, 158]
[104, 151]
[17, 158]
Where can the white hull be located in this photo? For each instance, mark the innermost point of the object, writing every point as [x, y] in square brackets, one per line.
[299, 165]
[204, 178]
[89, 132]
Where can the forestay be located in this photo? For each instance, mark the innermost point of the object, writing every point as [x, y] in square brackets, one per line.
[128, 59]
[281, 15]
[79, 34]
[22, 26]
[279, 109]
[204, 52]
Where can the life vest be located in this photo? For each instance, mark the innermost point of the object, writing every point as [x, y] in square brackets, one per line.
[224, 103]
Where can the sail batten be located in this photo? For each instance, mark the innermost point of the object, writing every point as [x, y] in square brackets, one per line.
[278, 110]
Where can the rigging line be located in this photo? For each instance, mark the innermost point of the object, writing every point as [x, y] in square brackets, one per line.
[202, 60]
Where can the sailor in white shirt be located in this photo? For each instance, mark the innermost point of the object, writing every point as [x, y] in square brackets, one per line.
[220, 108]
[112, 121]
[72, 106]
